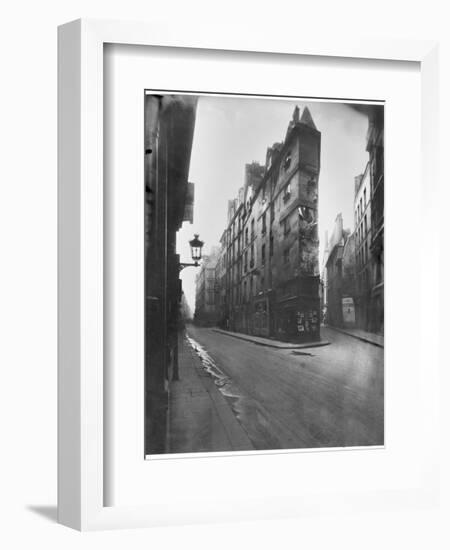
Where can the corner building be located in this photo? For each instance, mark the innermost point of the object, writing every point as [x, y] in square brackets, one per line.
[272, 245]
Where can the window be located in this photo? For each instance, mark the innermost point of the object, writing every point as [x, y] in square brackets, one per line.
[246, 235]
[364, 198]
[286, 255]
[251, 285]
[245, 260]
[307, 214]
[271, 245]
[287, 192]
[287, 161]
[365, 225]
[263, 254]
[252, 234]
[264, 225]
[286, 226]
[252, 255]
[272, 212]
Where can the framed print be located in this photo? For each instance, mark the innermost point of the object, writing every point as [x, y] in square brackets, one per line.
[232, 291]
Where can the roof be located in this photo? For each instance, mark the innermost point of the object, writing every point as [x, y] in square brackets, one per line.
[307, 119]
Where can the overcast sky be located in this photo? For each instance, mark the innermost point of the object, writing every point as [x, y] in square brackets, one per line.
[232, 131]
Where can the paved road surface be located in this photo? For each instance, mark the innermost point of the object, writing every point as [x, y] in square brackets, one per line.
[330, 396]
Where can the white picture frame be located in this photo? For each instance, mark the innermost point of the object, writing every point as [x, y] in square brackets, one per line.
[81, 481]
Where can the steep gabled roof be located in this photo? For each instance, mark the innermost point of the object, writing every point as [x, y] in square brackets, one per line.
[307, 119]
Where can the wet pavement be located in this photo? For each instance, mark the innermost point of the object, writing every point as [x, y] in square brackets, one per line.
[200, 417]
[285, 399]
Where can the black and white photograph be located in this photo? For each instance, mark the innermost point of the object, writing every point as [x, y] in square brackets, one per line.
[264, 273]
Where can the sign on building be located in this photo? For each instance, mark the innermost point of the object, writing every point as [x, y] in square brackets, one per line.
[348, 311]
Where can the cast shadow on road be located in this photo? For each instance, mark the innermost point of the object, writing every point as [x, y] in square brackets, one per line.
[48, 512]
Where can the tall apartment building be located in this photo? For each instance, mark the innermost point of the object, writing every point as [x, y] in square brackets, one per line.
[369, 230]
[206, 313]
[339, 276]
[220, 282]
[363, 255]
[375, 147]
[271, 240]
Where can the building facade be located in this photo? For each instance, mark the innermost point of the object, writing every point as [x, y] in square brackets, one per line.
[271, 243]
[339, 277]
[169, 127]
[369, 231]
[363, 223]
[375, 147]
[220, 283]
[206, 311]
[353, 276]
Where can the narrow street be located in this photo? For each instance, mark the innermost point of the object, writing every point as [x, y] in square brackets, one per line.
[329, 396]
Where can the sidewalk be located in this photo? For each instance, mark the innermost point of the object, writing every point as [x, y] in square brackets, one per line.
[200, 419]
[269, 342]
[369, 337]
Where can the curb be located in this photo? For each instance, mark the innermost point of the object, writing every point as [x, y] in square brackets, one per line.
[357, 336]
[269, 345]
[203, 386]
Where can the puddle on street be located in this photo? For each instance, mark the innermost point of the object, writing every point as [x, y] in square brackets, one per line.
[248, 412]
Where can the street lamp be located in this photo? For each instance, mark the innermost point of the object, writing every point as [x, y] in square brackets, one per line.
[196, 252]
